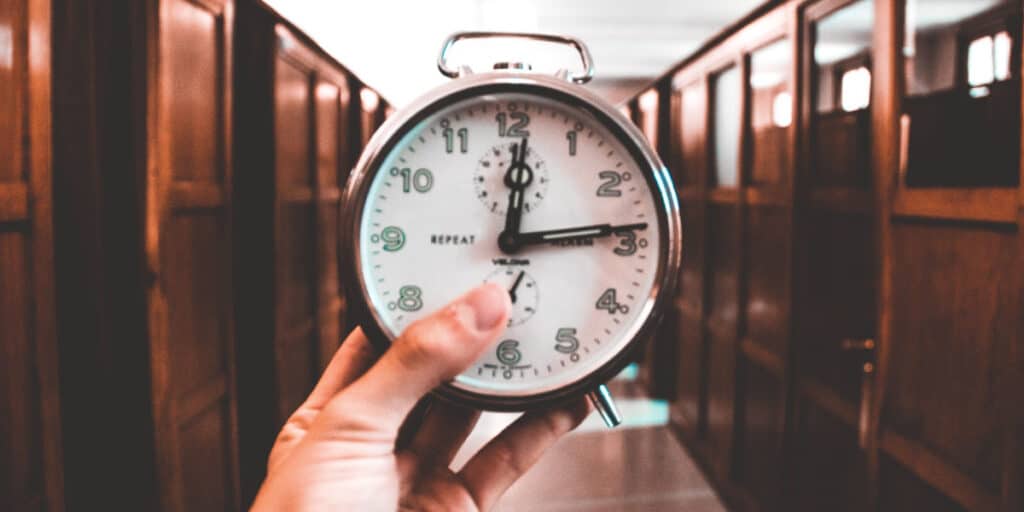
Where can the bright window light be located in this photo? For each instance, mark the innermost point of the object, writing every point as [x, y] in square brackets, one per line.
[782, 110]
[980, 69]
[369, 100]
[1001, 52]
[855, 89]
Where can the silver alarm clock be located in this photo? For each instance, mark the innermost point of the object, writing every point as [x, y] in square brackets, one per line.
[530, 181]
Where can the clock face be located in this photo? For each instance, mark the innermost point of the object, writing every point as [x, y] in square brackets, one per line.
[581, 248]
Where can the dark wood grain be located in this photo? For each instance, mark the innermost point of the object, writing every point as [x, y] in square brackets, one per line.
[30, 428]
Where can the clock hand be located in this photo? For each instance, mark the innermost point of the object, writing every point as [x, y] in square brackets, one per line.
[512, 291]
[517, 178]
[575, 233]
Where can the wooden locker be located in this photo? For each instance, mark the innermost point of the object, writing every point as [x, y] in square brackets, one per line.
[187, 248]
[143, 189]
[294, 155]
[30, 430]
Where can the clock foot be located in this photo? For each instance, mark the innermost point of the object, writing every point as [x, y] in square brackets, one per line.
[605, 405]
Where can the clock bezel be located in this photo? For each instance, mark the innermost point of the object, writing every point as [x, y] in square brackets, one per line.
[655, 173]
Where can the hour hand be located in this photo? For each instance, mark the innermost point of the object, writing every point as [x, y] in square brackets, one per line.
[517, 178]
[575, 233]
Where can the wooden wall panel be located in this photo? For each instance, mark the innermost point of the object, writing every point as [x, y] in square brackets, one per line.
[721, 315]
[767, 274]
[827, 467]
[951, 335]
[300, 120]
[188, 242]
[32, 474]
[759, 445]
[196, 105]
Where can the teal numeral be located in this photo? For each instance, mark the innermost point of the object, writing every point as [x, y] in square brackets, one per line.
[421, 181]
[393, 238]
[508, 352]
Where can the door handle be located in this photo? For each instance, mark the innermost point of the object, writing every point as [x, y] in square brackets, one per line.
[867, 385]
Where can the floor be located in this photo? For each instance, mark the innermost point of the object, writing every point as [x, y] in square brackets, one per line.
[638, 466]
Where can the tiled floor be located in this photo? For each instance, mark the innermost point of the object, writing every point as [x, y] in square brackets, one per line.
[639, 466]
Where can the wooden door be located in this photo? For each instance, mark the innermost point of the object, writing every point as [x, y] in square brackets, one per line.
[723, 260]
[310, 127]
[764, 341]
[30, 433]
[686, 321]
[835, 263]
[188, 254]
[949, 431]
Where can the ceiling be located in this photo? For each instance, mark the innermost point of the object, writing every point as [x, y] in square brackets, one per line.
[392, 44]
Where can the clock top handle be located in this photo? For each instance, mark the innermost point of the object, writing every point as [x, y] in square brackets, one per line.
[581, 48]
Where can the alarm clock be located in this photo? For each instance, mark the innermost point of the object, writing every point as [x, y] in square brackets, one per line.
[527, 180]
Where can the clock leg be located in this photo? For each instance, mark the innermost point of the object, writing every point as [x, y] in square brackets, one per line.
[605, 405]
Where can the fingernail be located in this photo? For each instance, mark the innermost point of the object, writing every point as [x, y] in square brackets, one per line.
[490, 305]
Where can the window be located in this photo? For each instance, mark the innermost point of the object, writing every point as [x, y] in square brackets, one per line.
[988, 60]
[855, 89]
[782, 110]
[727, 96]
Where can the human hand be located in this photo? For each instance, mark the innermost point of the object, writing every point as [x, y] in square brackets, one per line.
[338, 450]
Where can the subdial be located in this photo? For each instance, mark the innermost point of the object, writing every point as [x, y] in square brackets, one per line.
[522, 290]
[488, 179]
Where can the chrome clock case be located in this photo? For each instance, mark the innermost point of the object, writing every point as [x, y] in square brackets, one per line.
[561, 87]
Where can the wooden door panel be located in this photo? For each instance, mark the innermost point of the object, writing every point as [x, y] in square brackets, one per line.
[839, 299]
[20, 445]
[328, 148]
[296, 288]
[723, 262]
[692, 368]
[292, 124]
[12, 84]
[760, 441]
[188, 243]
[767, 307]
[195, 68]
[31, 460]
[955, 315]
[900, 490]
[828, 466]
[723, 266]
[207, 483]
[196, 323]
[691, 275]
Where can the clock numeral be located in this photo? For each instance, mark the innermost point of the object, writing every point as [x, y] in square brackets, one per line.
[627, 244]
[518, 128]
[508, 352]
[449, 138]
[567, 343]
[409, 299]
[421, 181]
[392, 236]
[608, 302]
[572, 135]
[612, 180]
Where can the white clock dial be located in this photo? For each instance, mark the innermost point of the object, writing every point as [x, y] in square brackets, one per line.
[437, 203]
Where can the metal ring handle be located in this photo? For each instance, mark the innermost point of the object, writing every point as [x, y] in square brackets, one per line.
[579, 78]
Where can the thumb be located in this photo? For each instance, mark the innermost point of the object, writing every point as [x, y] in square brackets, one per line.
[432, 350]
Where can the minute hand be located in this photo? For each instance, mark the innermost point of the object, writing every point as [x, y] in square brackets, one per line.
[575, 233]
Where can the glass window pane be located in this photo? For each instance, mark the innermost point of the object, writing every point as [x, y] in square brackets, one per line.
[979, 61]
[726, 96]
[841, 125]
[1003, 48]
[961, 107]
[856, 89]
[771, 111]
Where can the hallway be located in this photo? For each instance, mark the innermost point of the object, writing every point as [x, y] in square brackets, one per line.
[638, 466]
